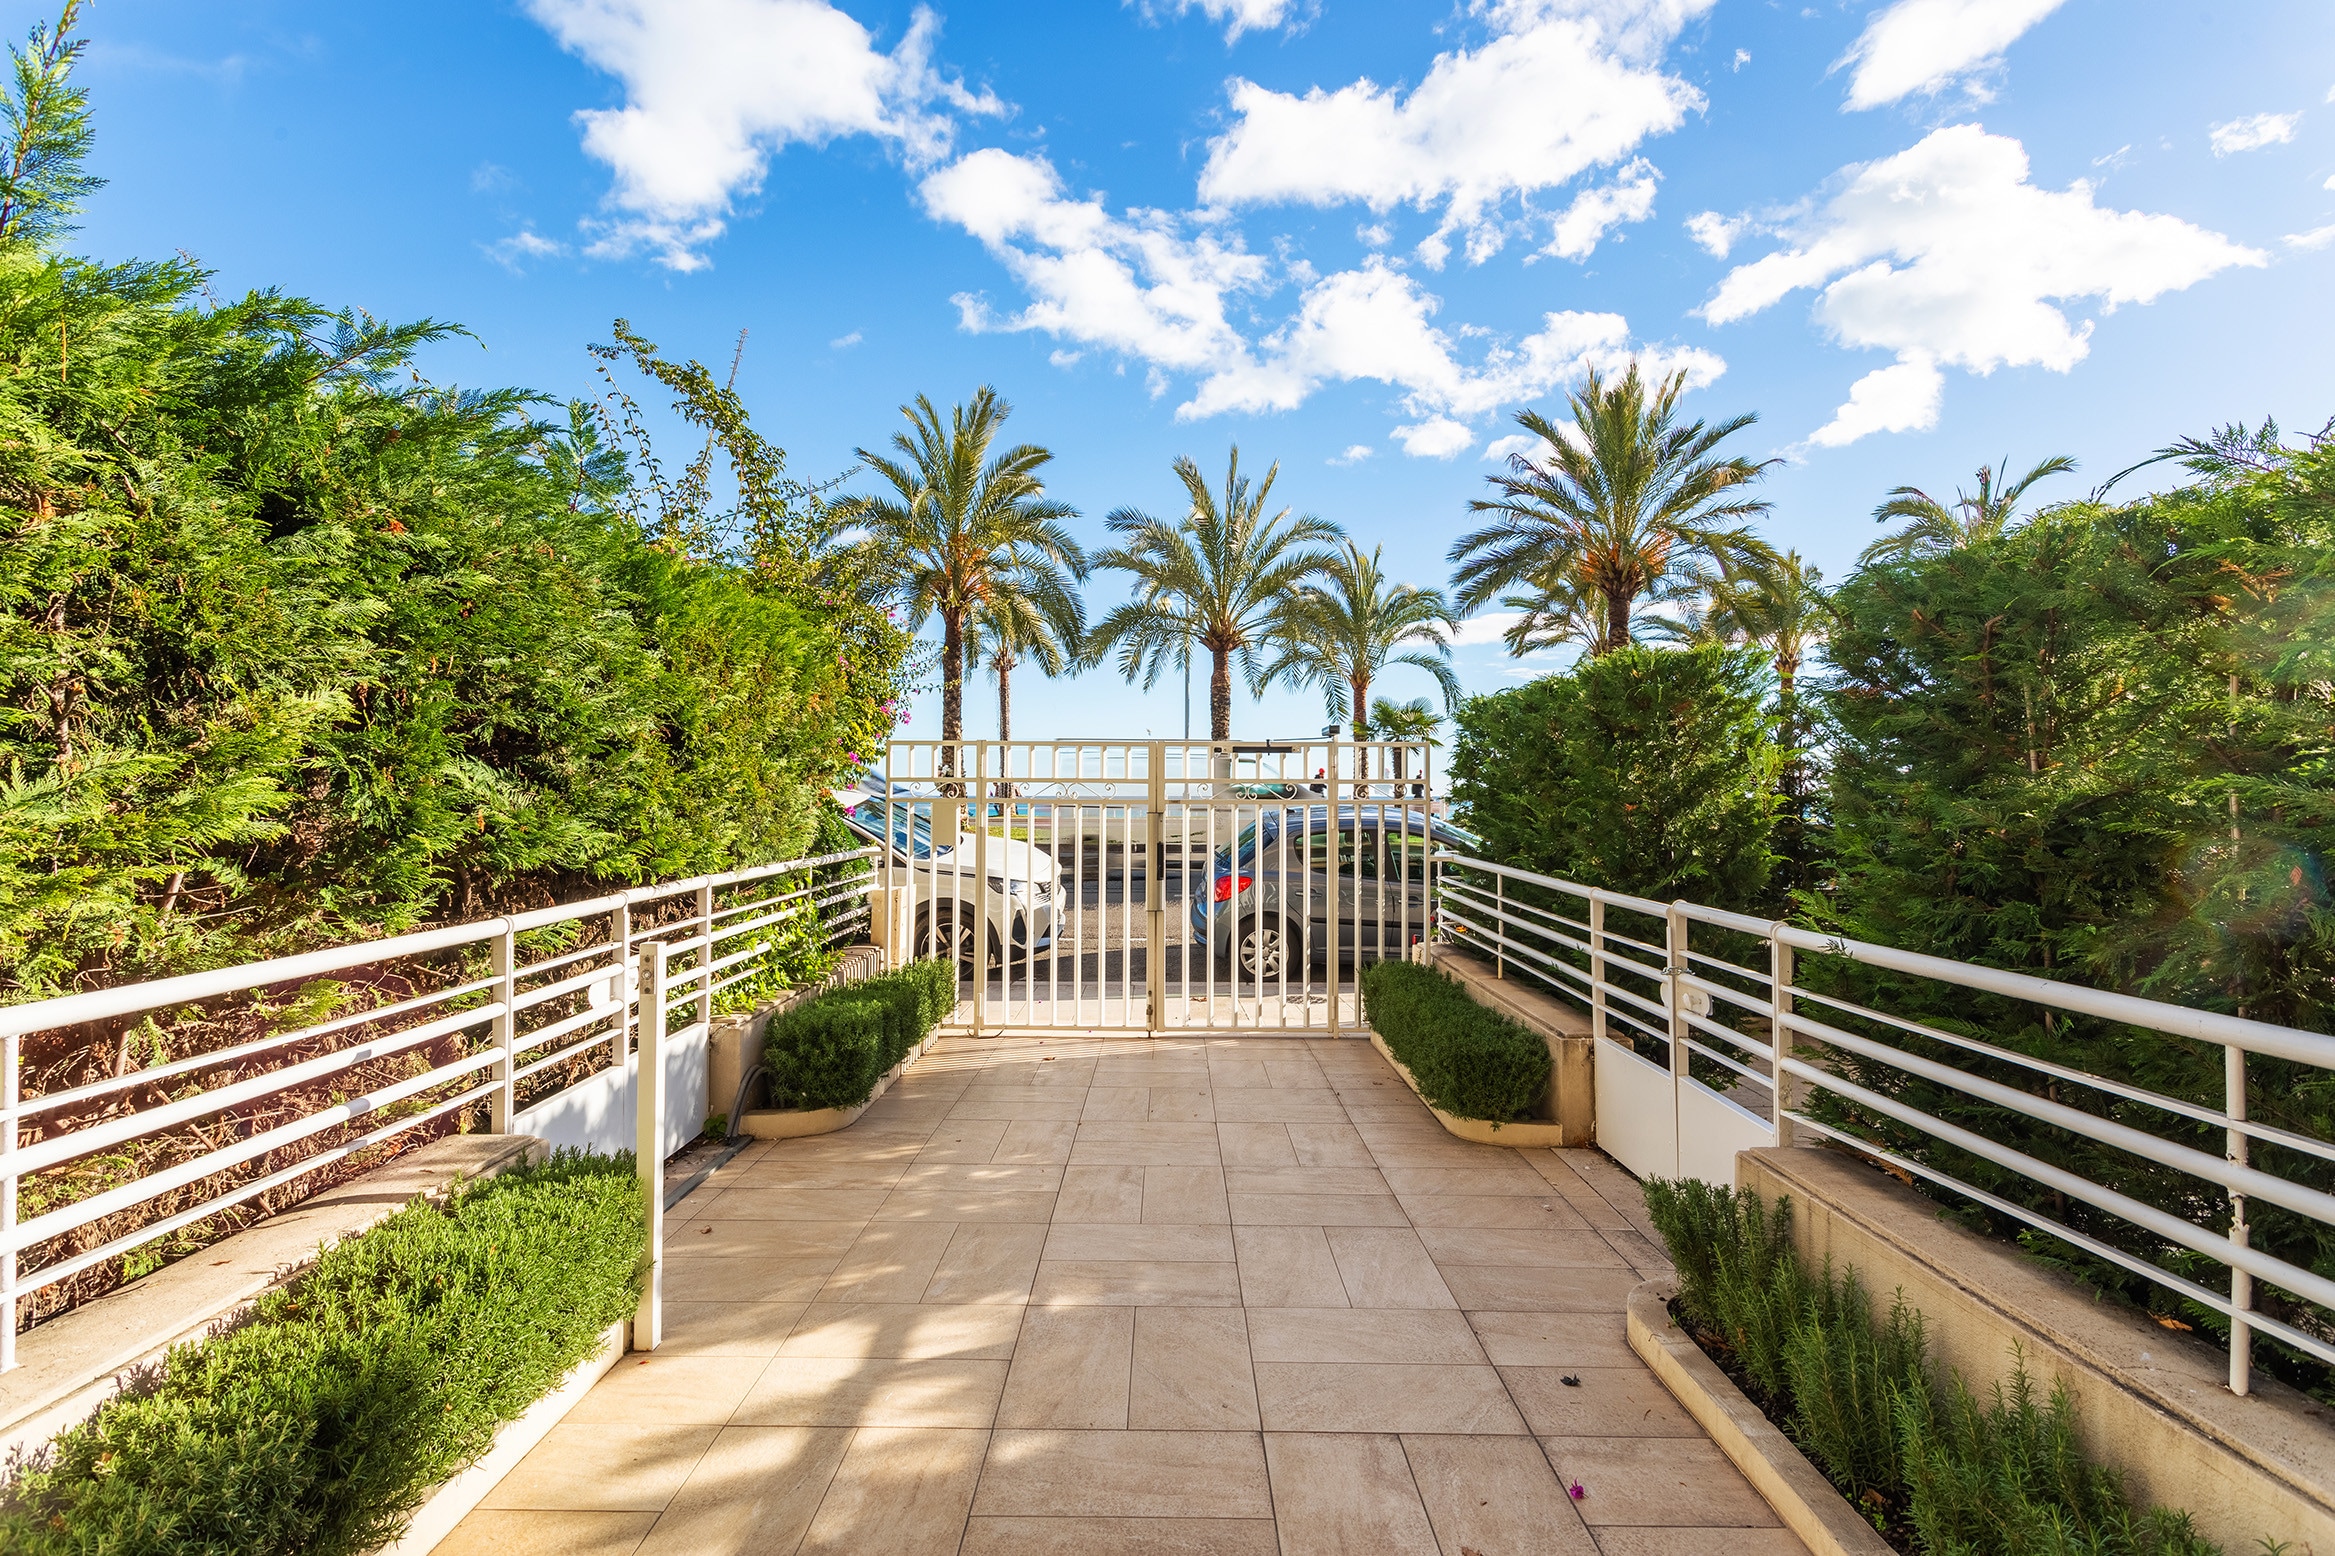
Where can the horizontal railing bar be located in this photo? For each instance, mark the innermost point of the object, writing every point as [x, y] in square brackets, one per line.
[1712, 1054]
[1728, 1035]
[527, 1042]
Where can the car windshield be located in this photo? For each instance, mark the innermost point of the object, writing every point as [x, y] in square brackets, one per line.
[911, 833]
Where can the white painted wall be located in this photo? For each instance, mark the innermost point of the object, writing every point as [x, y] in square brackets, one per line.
[596, 1114]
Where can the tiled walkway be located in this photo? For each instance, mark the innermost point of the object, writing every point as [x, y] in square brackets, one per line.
[1106, 1297]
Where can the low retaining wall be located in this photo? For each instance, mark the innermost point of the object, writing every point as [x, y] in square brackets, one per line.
[2150, 1403]
[1570, 1103]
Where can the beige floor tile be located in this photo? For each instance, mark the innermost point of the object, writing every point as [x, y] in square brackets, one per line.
[1120, 1537]
[1417, 1335]
[1387, 1267]
[1070, 1369]
[985, 1177]
[988, 1262]
[1602, 1402]
[964, 1140]
[1234, 1070]
[907, 1331]
[1618, 1541]
[1305, 1180]
[899, 1492]
[753, 1494]
[742, 1280]
[1190, 1195]
[1495, 1494]
[1329, 1144]
[726, 1328]
[1181, 1105]
[800, 1243]
[1031, 1142]
[1124, 1475]
[1255, 1145]
[1172, 1242]
[1287, 1266]
[609, 1467]
[1346, 1495]
[1274, 1105]
[1649, 1258]
[873, 1391]
[1296, 1074]
[1668, 1482]
[1498, 1173]
[1125, 1104]
[768, 1204]
[1145, 1145]
[1569, 1341]
[1128, 1283]
[658, 1390]
[489, 1532]
[776, 1172]
[1019, 1102]
[1490, 1287]
[1098, 1195]
[1383, 1397]
[892, 1261]
[1576, 1191]
[965, 1205]
[1191, 1371]
[1514, 1246]
[1316, 1210]
[1542, 1212]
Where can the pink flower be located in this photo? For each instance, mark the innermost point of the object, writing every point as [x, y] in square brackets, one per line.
[1576, 1492]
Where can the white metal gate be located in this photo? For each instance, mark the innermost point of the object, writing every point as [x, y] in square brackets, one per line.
[1158, 885]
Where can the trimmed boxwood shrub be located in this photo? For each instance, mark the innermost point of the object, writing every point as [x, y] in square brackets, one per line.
[1469, 1061]
[321, 1423]
[830, 1051]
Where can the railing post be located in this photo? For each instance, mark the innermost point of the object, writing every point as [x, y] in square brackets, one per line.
[2241, 1282]
[622, 979]
[1596, 967]
[1500, 935]
[649, 1137]
[1674, 998]
[705, 957]
[11, 1097]
[1779, 1036]
[506, 1029]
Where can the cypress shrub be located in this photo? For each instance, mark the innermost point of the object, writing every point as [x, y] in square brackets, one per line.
[320, 1424]
[829, 1052]
[1469, 1061]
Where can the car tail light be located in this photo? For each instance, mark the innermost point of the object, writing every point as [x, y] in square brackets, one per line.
[1227, 886]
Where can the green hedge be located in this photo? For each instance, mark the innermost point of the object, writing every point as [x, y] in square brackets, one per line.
[1469, 1061]
[319, 1425]
[1936, 1469]
[829, 1051]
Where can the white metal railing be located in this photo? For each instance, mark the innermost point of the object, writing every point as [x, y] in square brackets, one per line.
[546, 996]
[1676, 998]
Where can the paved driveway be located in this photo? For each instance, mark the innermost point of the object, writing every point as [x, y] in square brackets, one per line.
[1100, 1297]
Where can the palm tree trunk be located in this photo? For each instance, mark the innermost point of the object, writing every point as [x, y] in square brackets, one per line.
[1004, 663]
[1220, 695]
[1360, 686]
[952, 689]
[1617, 620]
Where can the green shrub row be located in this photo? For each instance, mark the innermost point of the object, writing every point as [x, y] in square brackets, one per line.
[1937, 1470]
[319, 1425]
[829, 1052]
[1469, 1061]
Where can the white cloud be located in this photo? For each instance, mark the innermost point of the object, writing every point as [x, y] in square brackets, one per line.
[1927, 46]
[1900, 398]
[714, 88]
[2316, 238]
[1741, 59]
[1946, 252]
[525, 244]
[1513, 443]
[844, 342]
[2262, 129]
[1353, 454]
[1595, 212]
[1438, 437]
[1713, 233]
[1239, 16]
[1483, 630]
[1562, 86]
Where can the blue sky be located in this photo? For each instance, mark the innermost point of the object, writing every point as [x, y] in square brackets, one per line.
[1356, 238]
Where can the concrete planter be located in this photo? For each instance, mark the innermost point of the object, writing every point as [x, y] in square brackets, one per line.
[1808, 1504]
[1569, 1106]
[454, 1499]
[794, 1123]
[1479, 1131]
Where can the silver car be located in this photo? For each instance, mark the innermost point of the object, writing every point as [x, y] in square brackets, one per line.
[1272, 896]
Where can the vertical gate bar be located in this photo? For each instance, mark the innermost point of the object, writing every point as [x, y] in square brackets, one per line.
[969, 814]
[1208, 903]
[1674, 991]
[705, 957]
[11, 1104]
[1053, 882]
[1779, 1036]
[1596, 968]
[2235, 1147]
[649, 1141]
[621, 977]
[888, 866]
[1155, 889]
[1334, 976]
[505, 1031]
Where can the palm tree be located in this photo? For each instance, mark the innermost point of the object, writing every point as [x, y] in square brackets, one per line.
[1783, 608]
[1214, 580]
[1616, 508]
[1413, 723]
[1342, 632]
[1972, 519]
[964, 532]
[1042, 623]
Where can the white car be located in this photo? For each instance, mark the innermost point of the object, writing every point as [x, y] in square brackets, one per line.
[957, 893]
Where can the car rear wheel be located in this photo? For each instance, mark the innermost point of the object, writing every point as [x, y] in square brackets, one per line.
[1264, 946]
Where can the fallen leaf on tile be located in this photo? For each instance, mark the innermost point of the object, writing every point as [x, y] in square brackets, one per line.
[1568, 1379]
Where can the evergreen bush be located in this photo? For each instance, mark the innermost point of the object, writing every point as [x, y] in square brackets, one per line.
[830, 1050]
[1469, 1061]
[317, 1426]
